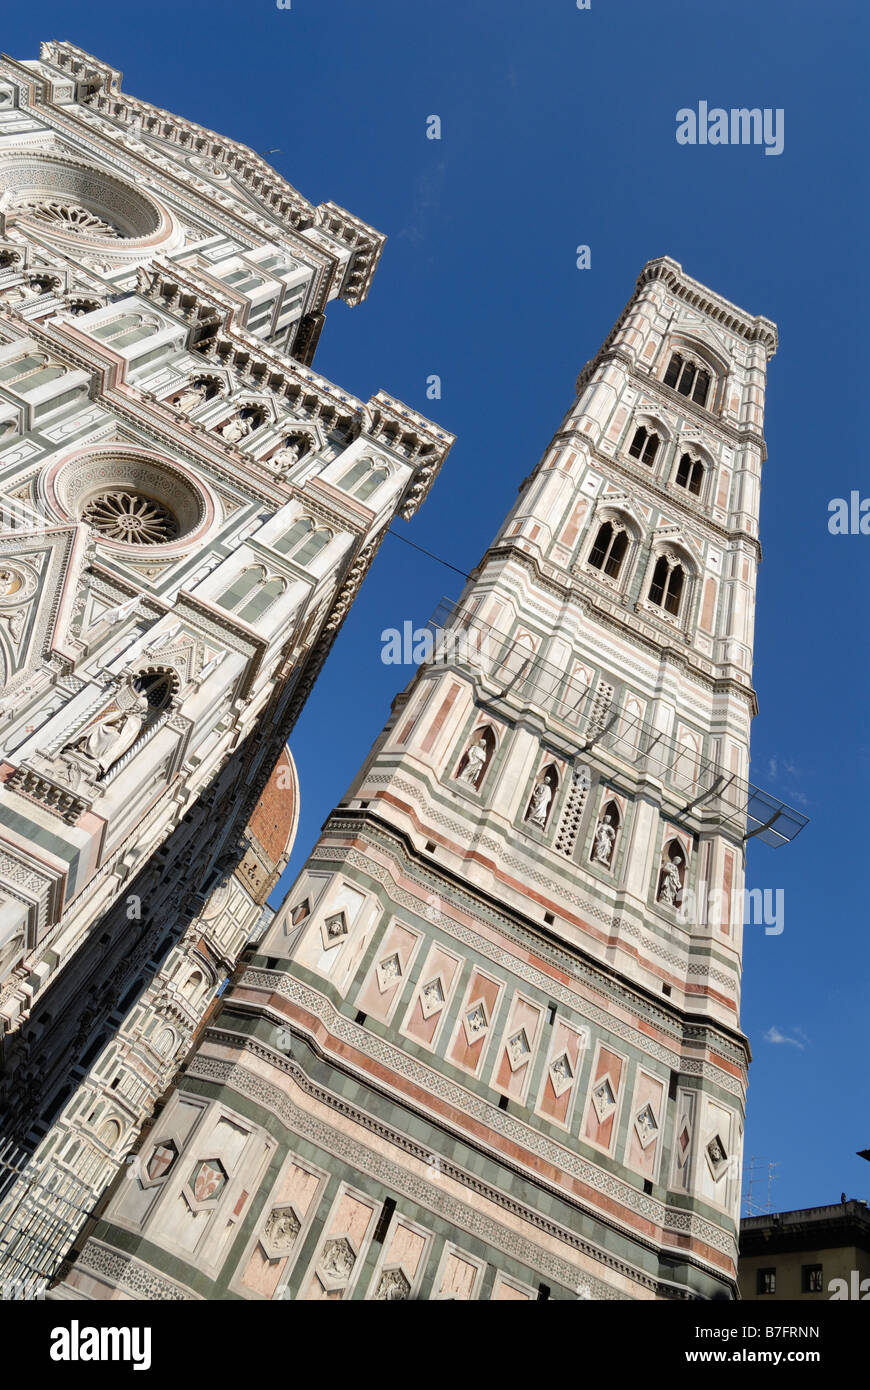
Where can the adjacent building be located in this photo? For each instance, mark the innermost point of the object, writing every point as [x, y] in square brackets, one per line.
[816, 1253]
[187, 510]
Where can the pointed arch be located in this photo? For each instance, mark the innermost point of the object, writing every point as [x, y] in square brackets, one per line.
[672, 874]
[606, 834]
[542, 799]
[474, 763]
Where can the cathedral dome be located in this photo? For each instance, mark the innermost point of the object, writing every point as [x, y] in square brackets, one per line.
[271, 831]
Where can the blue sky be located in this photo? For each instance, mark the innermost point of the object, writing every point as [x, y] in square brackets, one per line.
[559, 130]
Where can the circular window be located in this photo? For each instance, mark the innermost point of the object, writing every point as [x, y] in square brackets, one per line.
[130, 516]
[129, 498]
[76, 202]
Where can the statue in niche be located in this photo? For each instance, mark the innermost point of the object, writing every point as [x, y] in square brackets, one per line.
[113, 732]
[193, 395]
[539, 806]
[294, 448]
[605, 836]
[475, 762]
[237, 429]
[671, 882]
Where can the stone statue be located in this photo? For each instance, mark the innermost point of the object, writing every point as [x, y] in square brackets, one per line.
[671, 882]
[193, 395]
[540, 804]
[114, 731]
[291, 451]
[475, 762]
[237, 429]
[604, 838]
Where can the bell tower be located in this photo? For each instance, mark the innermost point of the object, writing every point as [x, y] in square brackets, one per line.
[490, 1047]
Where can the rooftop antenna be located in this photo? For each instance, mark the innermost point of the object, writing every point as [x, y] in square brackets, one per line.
[753, 1203]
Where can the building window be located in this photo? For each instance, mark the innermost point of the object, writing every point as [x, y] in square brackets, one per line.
[688, 378]
[690, 475]
[608, 551]
[303, 541]
[811, 1279]
[644, 446]
[666, 588]
[765, 1281]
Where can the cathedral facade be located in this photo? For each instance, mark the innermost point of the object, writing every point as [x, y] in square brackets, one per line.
[489, 1048]
[188, 510]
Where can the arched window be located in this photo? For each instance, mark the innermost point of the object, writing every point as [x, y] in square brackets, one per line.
[666, 588]
[109, 1133]
[311, 548]
[261, 600]
[644, 446]
[304, 541]
[672, 875]
[477, 757]
[113, 328]
[302, 527]
[688, 378]
[363, 479]
[164, 1044]
[22, 366]
[604, 839]
[608, 551]
[243, 585]
[193, 985]
[690, 474]
[34, 380]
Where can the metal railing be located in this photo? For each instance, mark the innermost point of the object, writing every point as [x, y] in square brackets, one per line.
[510, 672]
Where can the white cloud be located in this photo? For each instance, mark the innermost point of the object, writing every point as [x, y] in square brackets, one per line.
[775, 1035]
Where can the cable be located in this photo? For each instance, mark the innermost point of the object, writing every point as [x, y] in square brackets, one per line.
[413, 546]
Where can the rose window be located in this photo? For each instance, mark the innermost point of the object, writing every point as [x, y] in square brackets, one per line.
[68, 217]
[131, 517]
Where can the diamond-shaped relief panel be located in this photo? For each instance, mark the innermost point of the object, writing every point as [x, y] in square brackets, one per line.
[393, 1285]
[717, 1156]
[646, 1125]
[281, 1229]
[389, 972]
[475, 1022]
[518, 1049]
[561, 1074]
[432, 997]
[334, 929]
[604, 1099]
[336, 1263]
[684, 1139]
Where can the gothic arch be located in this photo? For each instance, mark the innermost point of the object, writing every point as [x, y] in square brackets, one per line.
[540, 805]
[475, 761]
[672, 874]
[606, 834]
[686, 362]
[364, 477]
